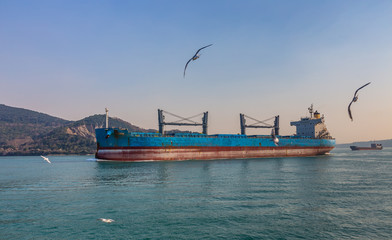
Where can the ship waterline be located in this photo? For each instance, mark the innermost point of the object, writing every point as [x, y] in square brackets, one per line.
[204, 153]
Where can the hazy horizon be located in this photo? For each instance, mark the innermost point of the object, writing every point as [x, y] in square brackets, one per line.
[71, 59]
[198, 128]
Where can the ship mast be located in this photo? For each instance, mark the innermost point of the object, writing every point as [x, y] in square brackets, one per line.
[188, 121]
[255, 125]
[107, 118]
[311, 111]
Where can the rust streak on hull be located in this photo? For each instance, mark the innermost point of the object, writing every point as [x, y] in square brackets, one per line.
[203, 153]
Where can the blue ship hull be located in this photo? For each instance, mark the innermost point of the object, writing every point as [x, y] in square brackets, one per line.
[121, 145]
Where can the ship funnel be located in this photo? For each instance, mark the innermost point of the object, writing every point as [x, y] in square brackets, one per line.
[316, 115]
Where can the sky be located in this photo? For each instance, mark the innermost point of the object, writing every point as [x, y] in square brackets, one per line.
[71, 59]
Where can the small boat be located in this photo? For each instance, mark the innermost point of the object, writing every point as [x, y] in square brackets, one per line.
[373, 146]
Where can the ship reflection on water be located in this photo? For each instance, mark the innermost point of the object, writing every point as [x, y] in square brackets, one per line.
[169, 172]
[131, 173]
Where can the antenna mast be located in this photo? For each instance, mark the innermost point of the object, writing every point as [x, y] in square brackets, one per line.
[311, 110]
[107, 118]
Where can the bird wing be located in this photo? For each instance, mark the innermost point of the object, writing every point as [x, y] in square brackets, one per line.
[355, 94]
[106, 220]
[186, 65]
[274, 138]
[46, 159]
[349, 110]
[201, 49]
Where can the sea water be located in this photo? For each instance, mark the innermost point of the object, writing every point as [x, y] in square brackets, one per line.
[344, 195]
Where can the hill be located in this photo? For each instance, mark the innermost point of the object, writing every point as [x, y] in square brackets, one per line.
[19, 126]
[385, 143]
[26, 132]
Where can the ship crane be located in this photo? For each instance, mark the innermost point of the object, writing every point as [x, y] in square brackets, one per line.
[188, 121]
[257, 123]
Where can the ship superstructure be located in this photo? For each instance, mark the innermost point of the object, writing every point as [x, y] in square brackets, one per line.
[313, 126]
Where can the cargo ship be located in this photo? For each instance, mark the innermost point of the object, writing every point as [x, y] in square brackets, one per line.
[311, 138]
[373, 146]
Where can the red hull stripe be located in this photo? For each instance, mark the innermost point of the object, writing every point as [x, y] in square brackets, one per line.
[203, 153]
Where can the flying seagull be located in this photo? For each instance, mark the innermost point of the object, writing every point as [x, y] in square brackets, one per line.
[355, 98]
[196, 56]
[46, 159]
[274, 138]
[106, 220]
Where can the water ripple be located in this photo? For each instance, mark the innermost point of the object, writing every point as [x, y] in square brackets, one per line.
[341, 196]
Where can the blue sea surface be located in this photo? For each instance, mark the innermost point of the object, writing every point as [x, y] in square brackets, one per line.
[344, 195]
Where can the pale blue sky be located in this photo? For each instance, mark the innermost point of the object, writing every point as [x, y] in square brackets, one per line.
[72, 59]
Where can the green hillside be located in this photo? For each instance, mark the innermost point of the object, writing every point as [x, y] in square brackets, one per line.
[19, 126]
[19, 123]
